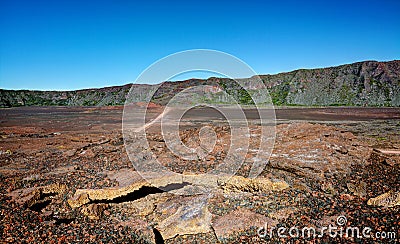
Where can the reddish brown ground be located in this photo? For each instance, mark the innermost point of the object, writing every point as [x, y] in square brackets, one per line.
[326, 156]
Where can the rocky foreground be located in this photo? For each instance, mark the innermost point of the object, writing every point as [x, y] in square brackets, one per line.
[76, 184]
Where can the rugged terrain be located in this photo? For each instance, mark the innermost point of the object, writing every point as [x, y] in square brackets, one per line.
[368, 83]
[66, 177]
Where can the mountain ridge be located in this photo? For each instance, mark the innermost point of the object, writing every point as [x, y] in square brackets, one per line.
[365, 83]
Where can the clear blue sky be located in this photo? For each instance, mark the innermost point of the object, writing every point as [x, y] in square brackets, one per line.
[65, 45]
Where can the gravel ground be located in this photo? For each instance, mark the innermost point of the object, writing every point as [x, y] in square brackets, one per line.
[58, 149]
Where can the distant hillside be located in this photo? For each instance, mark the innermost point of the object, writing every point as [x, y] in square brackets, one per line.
[368, 83]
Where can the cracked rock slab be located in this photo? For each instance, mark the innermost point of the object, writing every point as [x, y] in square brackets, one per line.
[180, 185]
[84, 196]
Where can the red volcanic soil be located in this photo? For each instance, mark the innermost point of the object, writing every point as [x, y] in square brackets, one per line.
[65, 176]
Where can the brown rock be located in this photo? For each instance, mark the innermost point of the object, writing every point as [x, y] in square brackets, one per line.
[93, 211]
[388, 199]
[192, 217]
[282, 213]
[239, 220]
[124, 177]
[314, 151]
[359, 189]
[239, 183]
[30, 196]
[70, 153]
[78, 200]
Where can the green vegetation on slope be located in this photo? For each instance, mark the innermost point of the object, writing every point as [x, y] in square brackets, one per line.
[368, 83]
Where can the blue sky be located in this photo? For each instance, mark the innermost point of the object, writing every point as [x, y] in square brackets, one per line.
[66, 45]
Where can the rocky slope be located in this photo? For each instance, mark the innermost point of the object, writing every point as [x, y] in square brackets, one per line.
[368, 83]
